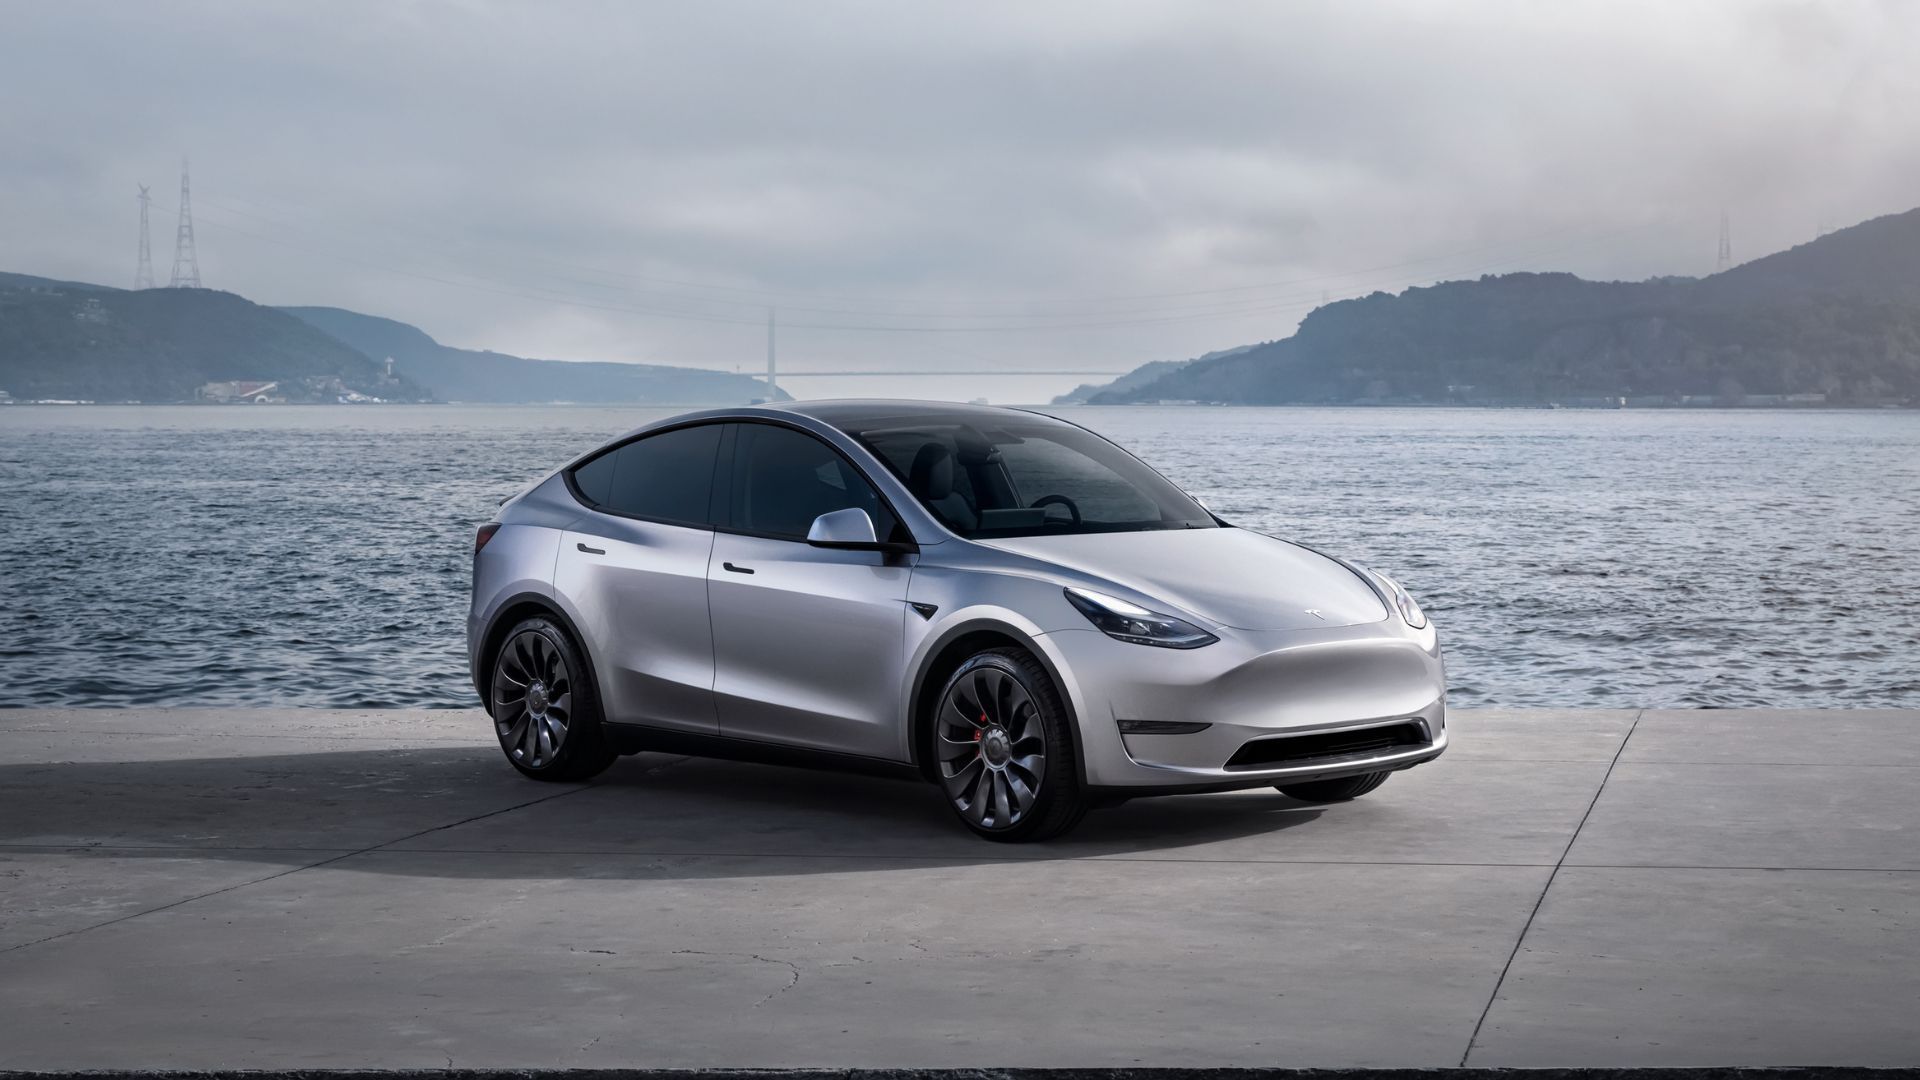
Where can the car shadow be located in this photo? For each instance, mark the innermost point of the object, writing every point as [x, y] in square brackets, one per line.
[461, 812]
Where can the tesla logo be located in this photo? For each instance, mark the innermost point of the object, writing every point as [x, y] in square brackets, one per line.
[1315, 612]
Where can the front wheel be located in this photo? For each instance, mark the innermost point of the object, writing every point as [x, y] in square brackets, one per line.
[1346, 787]
[1003, 748]
[544, 707]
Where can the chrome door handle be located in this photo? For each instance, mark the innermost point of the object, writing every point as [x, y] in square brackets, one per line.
[736, 569]
[591, 551]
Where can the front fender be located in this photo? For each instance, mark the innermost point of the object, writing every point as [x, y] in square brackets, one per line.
[969, 605]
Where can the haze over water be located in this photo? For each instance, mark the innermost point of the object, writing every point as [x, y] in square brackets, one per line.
[319, 556]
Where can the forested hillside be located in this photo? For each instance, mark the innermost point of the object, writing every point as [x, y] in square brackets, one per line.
[471, 375]
[1835, 321]
[65, 340]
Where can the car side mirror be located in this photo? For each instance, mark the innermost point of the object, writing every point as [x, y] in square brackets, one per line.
[849, 528]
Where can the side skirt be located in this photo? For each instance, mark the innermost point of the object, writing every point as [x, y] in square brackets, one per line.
[634, 738]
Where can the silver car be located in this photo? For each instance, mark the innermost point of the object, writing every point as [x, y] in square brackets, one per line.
[997, 601]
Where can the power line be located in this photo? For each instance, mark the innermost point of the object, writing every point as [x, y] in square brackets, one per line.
[757, 299]
[1212, 313]
[972, 371]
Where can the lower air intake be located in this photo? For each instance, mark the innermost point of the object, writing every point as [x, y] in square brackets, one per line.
[1327, 745]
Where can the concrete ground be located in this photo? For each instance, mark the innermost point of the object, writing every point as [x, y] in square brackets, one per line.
[282, 889]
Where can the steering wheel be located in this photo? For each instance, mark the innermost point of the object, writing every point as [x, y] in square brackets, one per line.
[1073, 508]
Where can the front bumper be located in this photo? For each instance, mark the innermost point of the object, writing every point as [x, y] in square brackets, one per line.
[1247, 688]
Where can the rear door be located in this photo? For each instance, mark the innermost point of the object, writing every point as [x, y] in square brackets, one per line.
[635, 571]
[808, 642]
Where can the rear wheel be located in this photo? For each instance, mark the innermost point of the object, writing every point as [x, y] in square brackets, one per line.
[544, 707]
[1347, 787]
[1003, 749]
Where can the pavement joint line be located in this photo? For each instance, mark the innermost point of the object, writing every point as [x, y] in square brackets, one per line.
[835, 856]
[989, 1073]
[651, 853]
[968, 860]
[1779, 764]
[1782, 869]
[1544, 890]
[1529, 761]
[119, 849]
[286, 872]
[461, 740]
[133, 850]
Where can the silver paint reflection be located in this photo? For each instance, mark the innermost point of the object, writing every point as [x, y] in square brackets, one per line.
[780, 641]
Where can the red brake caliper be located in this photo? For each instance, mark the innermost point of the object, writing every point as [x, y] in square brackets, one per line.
[978, 732]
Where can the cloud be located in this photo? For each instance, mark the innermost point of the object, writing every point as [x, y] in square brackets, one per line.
[953, 185]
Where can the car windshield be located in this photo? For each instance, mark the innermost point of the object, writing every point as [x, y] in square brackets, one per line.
[986, 476]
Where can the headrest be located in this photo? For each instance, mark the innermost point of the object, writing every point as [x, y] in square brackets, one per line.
[932, 474]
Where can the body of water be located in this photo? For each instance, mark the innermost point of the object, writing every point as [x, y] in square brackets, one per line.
[319, 556]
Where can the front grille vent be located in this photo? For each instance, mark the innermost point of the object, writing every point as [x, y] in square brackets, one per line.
[1324, 745]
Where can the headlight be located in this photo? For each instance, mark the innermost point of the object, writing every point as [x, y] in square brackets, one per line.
[1123, 621]
[1403, 600]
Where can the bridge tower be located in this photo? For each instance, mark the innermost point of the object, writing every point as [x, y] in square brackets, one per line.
[773, 393]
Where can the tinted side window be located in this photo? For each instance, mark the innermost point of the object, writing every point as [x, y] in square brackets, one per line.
[595, 478]
[666, 477]
[783, 479]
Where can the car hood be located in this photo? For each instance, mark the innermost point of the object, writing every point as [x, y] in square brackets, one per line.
[1230, 576]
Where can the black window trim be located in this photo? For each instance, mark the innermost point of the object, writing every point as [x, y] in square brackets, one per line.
[721, 454]
[720, 486]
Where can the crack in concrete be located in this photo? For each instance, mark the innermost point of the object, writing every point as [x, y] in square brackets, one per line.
[791, 967]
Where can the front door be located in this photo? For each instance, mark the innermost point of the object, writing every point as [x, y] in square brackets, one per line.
[808, 643]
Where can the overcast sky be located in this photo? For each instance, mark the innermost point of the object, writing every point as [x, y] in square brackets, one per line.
[934, 186]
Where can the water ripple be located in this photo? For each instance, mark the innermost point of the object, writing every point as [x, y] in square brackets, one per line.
[311, 556]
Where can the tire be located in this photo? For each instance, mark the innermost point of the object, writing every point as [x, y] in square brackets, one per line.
[545, 708]
[999, 729]
[1346, 787]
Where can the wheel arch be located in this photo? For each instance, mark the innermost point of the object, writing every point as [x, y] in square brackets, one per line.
[951, 649]
[509, 614]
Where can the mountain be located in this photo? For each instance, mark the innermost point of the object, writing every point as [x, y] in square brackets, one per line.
[1877, 259]
[1836, 320]
[470, 375]
[69, 340]
[1139, 376]
[73, 341]
[28, 281]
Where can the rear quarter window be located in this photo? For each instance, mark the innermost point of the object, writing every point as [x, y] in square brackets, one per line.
[665, 477]
[595, 478]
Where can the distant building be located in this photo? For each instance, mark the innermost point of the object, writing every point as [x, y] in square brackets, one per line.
[5, 398]
[1783, 399]
[240, 392]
